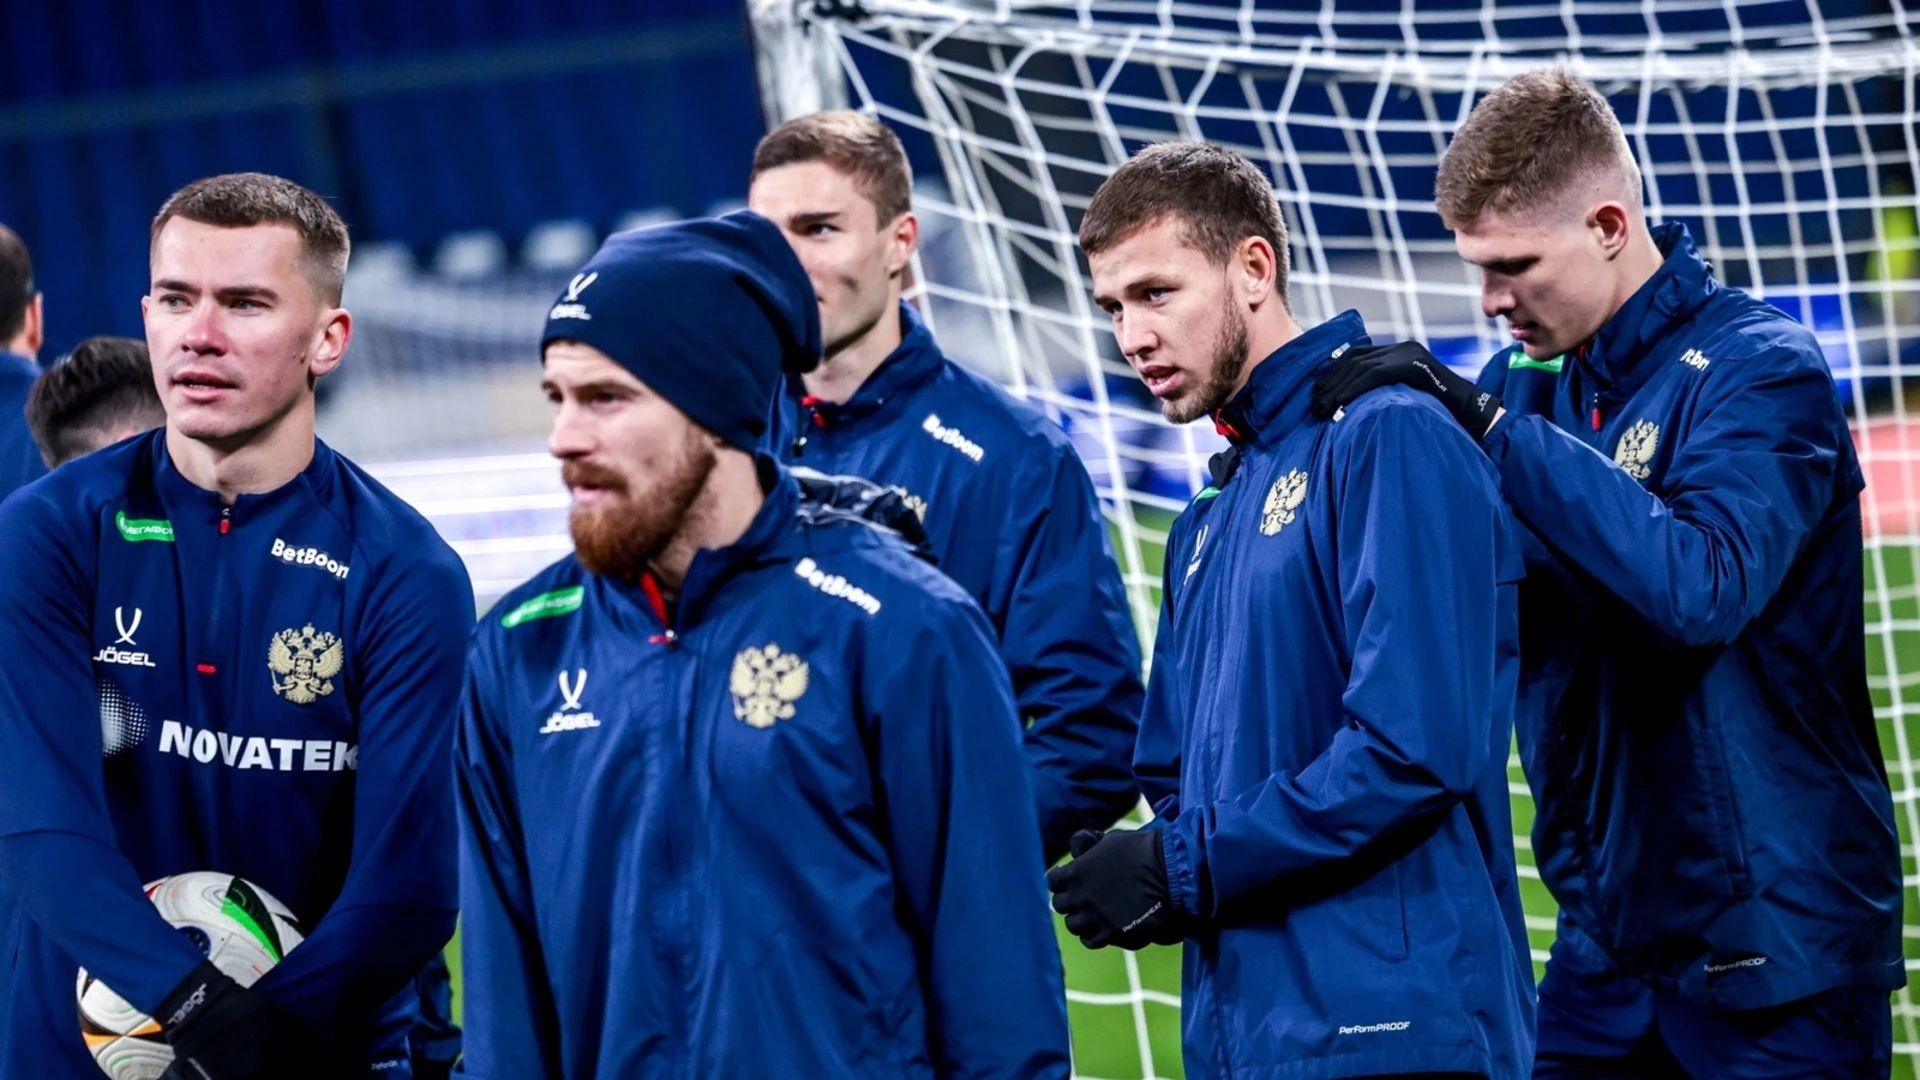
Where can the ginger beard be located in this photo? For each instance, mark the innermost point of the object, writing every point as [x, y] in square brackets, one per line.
[1223, 373]
[624, 535]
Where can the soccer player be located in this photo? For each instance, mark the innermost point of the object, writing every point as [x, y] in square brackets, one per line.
[1713, 814]
[1009, 507]
[99, 394]
[21, 326]
[1330, 702]
[740, 784]
[224, 647]
[95, 396]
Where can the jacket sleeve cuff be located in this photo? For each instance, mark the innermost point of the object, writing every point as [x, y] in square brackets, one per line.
[1181, 856]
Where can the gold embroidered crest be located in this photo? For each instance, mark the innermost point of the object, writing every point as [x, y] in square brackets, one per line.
[1636, 449]
[307, 660]
[1283, 499]
[765, 684]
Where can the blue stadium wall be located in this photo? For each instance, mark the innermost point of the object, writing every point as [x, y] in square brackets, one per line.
[419, 119]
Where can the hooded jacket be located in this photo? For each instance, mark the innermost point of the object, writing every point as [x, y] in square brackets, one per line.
[1713, 807]
[265, 689]
[778, 829]
[1013, 519]
[1325, 741]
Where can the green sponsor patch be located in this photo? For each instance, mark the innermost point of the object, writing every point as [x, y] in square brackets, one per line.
[1522, 361]
[1207, 492]
[546, 605]
[135, 529]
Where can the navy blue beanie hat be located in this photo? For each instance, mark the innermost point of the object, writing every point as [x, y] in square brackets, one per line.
[707, 312]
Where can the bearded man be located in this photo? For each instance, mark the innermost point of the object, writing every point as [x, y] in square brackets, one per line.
[741, 780]
[1331, 697]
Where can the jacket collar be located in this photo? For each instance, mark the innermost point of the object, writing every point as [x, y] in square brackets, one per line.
[712, 568]
[1277, 394]
[19, 364]
[1677, 290]
[913, 363]
[179, 493]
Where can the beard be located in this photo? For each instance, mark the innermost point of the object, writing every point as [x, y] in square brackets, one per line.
[624, 536]
[1223, 373]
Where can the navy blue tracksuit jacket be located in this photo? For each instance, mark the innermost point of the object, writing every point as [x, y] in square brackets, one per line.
[1713, 809]
[781, 831]
[1013, 519]
[1325, 741]
[267, 689]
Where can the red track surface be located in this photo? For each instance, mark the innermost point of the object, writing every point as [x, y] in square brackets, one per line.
[1890, 455]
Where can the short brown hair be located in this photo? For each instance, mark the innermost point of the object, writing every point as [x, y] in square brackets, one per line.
[1219, 197]
[1526, 144]
[242, 200]
[852, 143]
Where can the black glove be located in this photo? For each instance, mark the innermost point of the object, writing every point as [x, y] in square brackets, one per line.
[1114, 892]
[221, 1031]
[431, 1070]
[1407, 363]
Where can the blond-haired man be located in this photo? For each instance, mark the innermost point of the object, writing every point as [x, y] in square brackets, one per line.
[1714, 817]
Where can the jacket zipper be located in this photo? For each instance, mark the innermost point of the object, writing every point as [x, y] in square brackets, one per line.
[815, 418]
[658, 602]
[217, 596]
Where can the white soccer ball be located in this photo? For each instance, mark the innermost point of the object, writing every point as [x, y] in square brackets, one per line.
[240, 927]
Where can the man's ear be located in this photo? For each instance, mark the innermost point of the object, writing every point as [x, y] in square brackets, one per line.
[34, 329]
[332, 346]
[1257, 268]
[1611, 225]
[903, 238]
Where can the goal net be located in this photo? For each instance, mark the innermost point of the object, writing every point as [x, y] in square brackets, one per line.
[1782, 134]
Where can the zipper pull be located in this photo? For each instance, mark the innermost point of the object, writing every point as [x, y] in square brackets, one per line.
[226, 519]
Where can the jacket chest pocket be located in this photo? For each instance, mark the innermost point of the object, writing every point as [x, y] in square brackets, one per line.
[779, 737]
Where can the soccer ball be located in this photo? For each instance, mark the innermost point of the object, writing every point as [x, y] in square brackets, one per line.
[240, 927]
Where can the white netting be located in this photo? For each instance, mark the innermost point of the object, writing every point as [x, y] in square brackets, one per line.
[1783, 134]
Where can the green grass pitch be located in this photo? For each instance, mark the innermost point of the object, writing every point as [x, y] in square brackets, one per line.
[1125, 1022]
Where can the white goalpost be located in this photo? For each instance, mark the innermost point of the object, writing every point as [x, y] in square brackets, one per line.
[1784, 134]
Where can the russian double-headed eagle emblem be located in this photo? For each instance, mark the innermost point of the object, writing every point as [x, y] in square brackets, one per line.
[1283, 499]
[304, 662]
[765, 684]
[1636, 449]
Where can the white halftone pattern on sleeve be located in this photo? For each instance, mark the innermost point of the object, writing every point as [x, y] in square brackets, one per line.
[123, 724]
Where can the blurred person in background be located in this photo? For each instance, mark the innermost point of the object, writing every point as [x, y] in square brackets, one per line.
[22, 327]
[95, 396]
